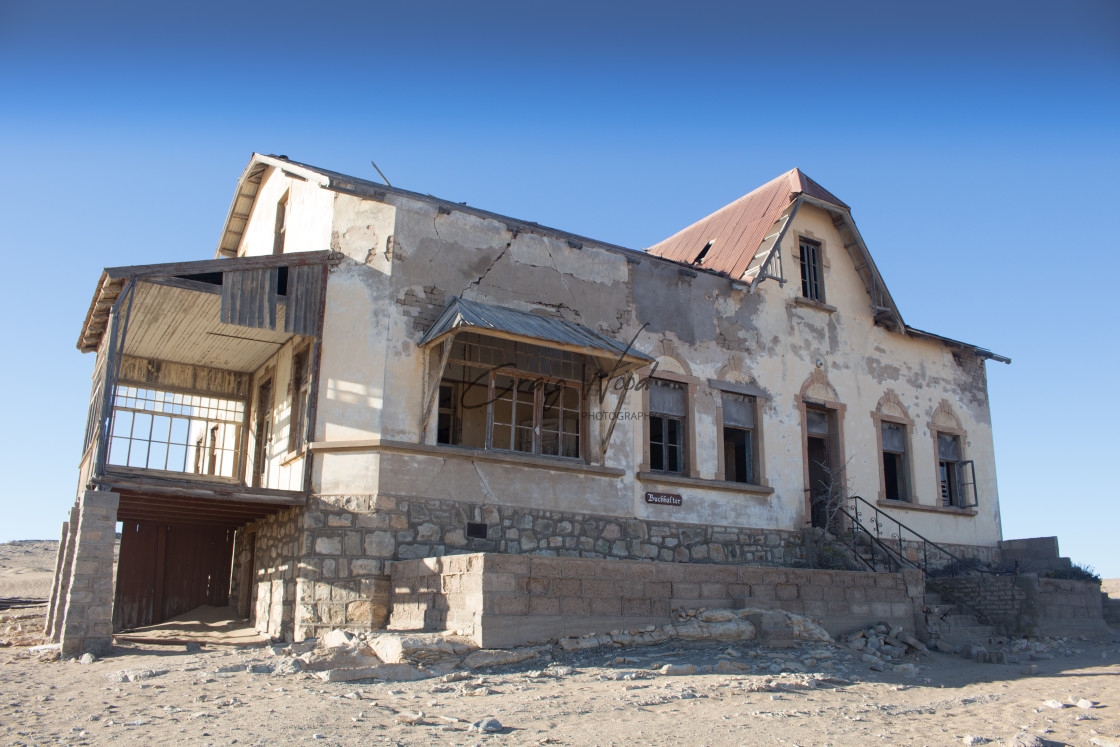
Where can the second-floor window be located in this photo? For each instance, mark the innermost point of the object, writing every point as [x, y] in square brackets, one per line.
[812, 275]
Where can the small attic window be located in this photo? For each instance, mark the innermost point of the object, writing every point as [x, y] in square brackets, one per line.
[703, 253]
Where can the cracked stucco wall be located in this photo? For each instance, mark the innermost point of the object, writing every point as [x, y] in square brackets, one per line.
[403, 258]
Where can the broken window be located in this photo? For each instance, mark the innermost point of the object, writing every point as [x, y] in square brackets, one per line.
[511, 396]
[739, 440]
[668, 415]
[812, 276]
[895, 461]
[957, 475]
[175, 432]
[300, 389]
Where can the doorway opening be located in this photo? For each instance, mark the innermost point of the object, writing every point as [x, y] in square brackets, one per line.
[824, 467]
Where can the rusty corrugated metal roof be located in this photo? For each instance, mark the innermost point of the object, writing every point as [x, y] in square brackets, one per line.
[461, 313]
[737, 230]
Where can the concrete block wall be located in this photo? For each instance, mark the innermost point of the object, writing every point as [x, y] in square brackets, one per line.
[60, 584]
[533, 598]
[87, 621]
[1068, 607]
[438, 593]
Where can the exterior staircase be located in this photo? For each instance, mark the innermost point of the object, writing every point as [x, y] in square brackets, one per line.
[950, 628]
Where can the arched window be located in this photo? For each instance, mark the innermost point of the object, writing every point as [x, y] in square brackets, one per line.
[893, 428]
[956, 475]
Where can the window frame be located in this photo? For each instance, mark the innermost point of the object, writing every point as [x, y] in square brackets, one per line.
[484, 373]
[688, 446]
[299, 396]
[755, 462]
[811, 265]
[878, 418]
[958, 499]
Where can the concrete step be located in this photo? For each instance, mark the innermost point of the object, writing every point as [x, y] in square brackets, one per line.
[960, 618]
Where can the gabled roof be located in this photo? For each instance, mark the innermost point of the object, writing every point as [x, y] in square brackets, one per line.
[743, 234]
[249, 183]
[736, 231]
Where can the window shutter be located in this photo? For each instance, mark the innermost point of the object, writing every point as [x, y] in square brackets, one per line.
[966, 484]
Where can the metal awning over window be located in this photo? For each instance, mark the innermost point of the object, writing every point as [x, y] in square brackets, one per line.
[500, 321]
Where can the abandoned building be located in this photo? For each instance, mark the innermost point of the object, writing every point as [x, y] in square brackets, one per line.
[365, 375]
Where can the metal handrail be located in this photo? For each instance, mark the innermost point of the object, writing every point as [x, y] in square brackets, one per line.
[895, 558]
[897, 535]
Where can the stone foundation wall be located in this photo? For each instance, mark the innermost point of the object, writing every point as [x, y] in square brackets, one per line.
[277, 547]
[344, 582]
[525, 599]
[399, 529]
[347, 542]
[919, 552]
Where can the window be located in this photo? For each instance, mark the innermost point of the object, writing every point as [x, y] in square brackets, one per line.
[739, 438]
[511, 396]
[812, 277]
[281, 231]
[300, 390]
[895, 461]
[949, 469]
[175, 432]
[668, 406]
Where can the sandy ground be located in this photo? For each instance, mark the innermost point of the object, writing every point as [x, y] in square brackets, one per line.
[607, 697]
[26, 568]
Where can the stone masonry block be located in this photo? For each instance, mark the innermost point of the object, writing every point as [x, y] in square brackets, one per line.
[713, 590]
[686, 590]
[786, 592]
[598, 588]
[544, 606]
[510, 604]
[606, 606]
[575, 606]
[636, 607]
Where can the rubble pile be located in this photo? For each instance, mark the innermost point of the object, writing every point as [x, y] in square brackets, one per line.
[342, 656]
[883, 647]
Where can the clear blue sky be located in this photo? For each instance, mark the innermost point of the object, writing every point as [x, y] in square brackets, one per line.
[978, 143]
